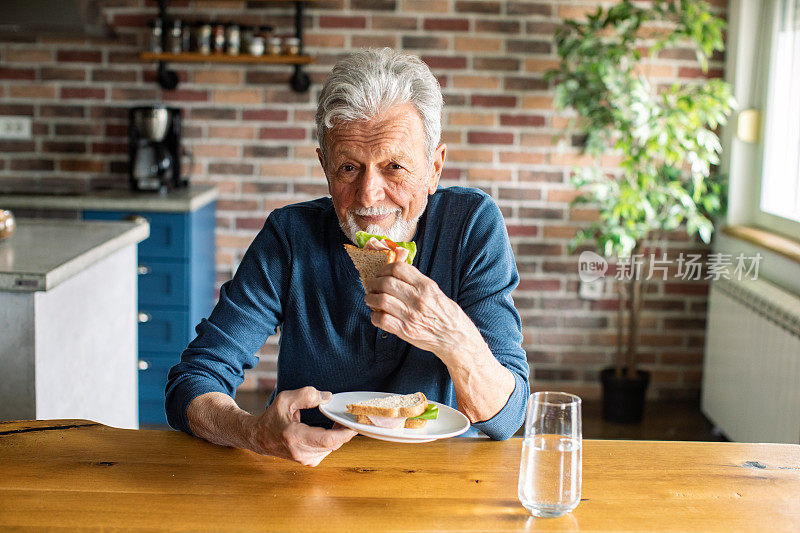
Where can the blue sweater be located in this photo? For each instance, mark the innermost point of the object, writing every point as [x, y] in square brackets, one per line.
[296, 276]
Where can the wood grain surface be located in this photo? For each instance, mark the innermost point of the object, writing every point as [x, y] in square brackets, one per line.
[77, 474]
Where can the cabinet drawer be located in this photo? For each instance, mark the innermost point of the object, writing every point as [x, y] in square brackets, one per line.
[153, 371]
[163, 330]
[168, 235]
[163, 282]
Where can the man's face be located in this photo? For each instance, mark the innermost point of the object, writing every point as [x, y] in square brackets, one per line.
[378, 174]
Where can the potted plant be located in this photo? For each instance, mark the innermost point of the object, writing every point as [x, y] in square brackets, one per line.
[667, 144]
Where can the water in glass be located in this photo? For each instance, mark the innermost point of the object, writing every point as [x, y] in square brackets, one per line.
[550, 475]
[550, 468]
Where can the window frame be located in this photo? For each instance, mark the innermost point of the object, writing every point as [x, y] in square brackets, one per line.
[749, 68]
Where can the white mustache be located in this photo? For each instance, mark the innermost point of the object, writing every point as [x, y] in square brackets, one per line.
[374, 211]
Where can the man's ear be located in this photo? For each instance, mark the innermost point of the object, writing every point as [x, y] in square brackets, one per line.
[322, 161]
[438, 165]
[324, 169]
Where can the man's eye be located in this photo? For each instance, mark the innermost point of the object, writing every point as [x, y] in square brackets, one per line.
[348, 168]
[395, 166]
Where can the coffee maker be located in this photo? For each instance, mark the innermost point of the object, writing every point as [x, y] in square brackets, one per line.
[155, 148]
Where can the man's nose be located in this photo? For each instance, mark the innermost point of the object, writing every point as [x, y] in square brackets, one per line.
[371, 189]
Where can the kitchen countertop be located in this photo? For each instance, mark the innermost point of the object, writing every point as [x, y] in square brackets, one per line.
[175, 201]
[44, 252]
[77, 474]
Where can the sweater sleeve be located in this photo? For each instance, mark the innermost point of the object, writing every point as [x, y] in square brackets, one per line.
[248, 312]
[488, 275]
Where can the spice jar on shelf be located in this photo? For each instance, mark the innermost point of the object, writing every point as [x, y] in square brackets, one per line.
[291, 46]
[204, 33]
[274, 46]
[218, 38]
[253, 41]
[186, 36]
[233, 36]
[175, 45]
[156, 32]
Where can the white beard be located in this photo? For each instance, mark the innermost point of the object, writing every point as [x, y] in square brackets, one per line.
[399, 231]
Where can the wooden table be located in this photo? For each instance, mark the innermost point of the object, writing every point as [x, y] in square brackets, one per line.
[79, 474]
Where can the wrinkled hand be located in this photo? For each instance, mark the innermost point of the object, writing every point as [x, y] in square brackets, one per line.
[279, 432]
[411, 305]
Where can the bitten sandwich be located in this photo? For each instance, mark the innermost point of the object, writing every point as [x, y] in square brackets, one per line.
[374, 251]
[394, 412]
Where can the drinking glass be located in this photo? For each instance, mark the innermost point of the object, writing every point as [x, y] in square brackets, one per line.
[550, 469]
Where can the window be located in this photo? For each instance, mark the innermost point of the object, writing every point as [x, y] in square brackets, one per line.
[780, 183]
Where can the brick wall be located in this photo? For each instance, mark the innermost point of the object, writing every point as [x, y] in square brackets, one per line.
[252, 137]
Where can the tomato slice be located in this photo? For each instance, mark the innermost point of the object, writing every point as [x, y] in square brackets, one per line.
[390, 243]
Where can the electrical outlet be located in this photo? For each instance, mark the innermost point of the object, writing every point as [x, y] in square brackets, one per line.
[592, 290]
[15, 127]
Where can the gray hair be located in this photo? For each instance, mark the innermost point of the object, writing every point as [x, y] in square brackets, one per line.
[367, 83]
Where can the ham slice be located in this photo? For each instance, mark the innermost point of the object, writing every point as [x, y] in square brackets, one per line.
[400, 253]
[387, 422]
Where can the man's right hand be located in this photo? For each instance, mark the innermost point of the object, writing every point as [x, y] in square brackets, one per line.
[215, 417]
[279, 432]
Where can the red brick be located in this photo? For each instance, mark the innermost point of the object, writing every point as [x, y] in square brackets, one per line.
[493, 100]
[524, 83]
[483, 6]
[374, 41]
[80, 165]
[486, 137]
[31, 164]
[445, 62]
[522, 158]
[509, 193]
[330, 21]
[114, 75]
[27, 55]
[134, 93]
[64, 147]
[374, 5]
[282, 133]
[526, 230]
[79, 56]
[17, 73]
[527, 46]
[519, 7]
[496, 63]
[237, 205]
[250, 222]
[185, 95]
[110, 148]
[394, 23]
[83, 93]
[497, 26]
[488, 174]
[67, 74]
[133, 20]
[521, 120]
[231, 168]
[265, 114]
[690, 72]
[447, 24]
[678, 53]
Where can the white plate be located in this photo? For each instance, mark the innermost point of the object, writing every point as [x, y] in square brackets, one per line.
[448, 424]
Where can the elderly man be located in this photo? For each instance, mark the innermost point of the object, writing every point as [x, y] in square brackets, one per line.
[445, 326]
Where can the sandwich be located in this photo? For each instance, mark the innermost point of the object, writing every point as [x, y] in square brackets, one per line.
[375, 251]
[393, 412]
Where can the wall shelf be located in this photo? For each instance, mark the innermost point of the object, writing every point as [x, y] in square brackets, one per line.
[167, 79]
[193, 57]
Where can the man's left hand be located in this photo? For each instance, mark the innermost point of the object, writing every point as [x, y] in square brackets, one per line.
[411, 305]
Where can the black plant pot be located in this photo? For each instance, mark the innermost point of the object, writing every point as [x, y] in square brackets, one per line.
[623, 398]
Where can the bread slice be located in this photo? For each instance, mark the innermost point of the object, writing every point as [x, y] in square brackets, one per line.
[398, 406]
[368, 262]
[411, 423]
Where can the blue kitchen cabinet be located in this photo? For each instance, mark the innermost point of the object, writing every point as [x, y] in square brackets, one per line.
[176, 290]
